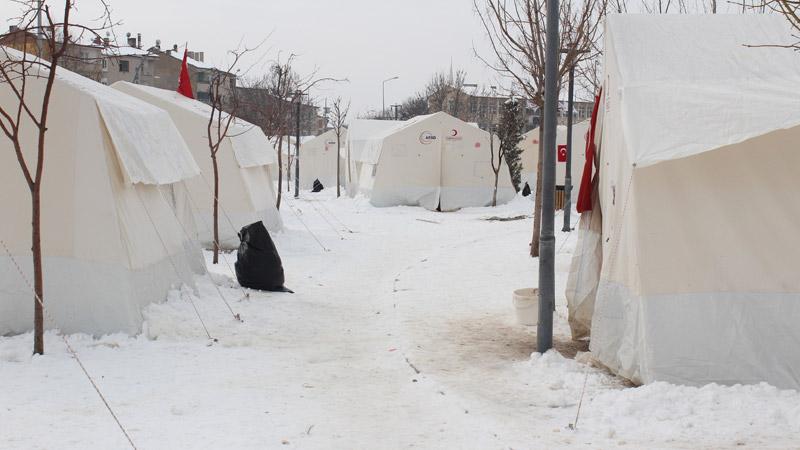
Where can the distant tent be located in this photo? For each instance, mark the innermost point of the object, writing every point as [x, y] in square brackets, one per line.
[686, 267]
[435, 161]
[318, 160]
[112, 164]
[246, 193]
[530, 155]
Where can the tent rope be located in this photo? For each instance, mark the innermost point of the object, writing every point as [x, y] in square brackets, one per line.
[172, 263]
[69, 347]
[291, 208]
[205, 267]
[334, 216]
[332, 226]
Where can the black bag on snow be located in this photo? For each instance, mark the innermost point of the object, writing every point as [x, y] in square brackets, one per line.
[258, 265]
[317, 186]
[526, 191]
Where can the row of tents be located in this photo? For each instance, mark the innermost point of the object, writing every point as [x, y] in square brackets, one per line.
[686, 266]
[434, 161]
[126, 197]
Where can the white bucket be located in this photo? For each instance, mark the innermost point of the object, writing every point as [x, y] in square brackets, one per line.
[526, 305]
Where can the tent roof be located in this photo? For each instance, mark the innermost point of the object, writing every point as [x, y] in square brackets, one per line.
[693, 83]
[149, 147]
[250, 146]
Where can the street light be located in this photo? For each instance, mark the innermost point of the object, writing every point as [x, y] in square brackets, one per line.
[383, 91]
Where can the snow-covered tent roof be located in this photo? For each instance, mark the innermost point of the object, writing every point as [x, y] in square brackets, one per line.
[701, 81]
[164, 159]
[250, 145]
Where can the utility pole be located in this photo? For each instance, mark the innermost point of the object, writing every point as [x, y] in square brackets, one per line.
[383, 95]
[568, 176]
[547, 240]
[299, 95]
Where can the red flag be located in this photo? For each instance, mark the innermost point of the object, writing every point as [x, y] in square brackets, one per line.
[585, 194]
[184, 83]
[562, 153]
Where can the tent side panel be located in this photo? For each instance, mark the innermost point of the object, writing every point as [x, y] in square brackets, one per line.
[724, 277]
[408, 170]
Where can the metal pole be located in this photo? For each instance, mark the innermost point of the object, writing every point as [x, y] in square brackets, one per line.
[544, 331]
[383, 99]
[39, 34]
[568, 176]
[297, 150]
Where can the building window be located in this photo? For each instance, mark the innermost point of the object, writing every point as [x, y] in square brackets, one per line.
[203, 96]
[104, 64]
[202, 77]
[123, 66]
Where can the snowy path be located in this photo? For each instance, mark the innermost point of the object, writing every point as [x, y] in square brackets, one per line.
[401, 335]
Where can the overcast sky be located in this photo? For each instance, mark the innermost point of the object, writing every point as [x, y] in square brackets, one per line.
[365, 41]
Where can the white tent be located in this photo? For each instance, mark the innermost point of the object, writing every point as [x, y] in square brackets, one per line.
[112, 183]
[247, 192]
[530, 154]
[434, 161]
[318, 160]
[686, 267]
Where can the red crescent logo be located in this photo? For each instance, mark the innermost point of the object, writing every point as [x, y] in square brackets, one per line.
[454, 132]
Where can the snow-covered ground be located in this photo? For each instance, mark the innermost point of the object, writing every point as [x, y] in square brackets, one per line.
[400, 334]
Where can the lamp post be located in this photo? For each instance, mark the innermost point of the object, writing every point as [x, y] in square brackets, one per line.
[547, 240]
[383, 95]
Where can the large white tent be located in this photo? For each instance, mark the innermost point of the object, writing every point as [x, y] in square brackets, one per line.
[247, 193]
[435, 161]
[686, 266]
[112, 184]
[318, 160]
[530, 154]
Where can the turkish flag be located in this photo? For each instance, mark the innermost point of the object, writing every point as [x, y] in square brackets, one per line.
[184, 83]
[562, 153]
[585, 193]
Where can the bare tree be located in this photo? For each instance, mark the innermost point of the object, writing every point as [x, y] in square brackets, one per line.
[18, 71]
[445, 92]
[339, 116]
[516, 31]
[789, 8]
[414, 106]
[272, 109]
[224, 104]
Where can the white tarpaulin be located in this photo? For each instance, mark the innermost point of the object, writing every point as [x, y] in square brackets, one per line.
[689, 274]
[671, 65]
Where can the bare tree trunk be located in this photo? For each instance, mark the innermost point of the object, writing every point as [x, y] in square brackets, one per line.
[38, 279]
[280, 172]
[537, 205]
[216, 209]
[496, 180]
[338, 168]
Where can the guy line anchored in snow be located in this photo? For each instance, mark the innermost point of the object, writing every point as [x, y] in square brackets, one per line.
[291, 208]
[69, 347]
[334, 216]
[174, 267]
[332, 227]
